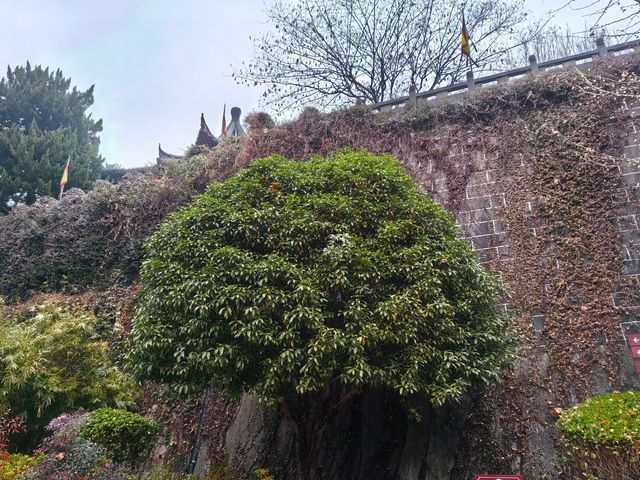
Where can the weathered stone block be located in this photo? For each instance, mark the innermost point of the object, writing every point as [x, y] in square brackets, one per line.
[627, 223]
[632, 151]
[631, 267]
[483, 190]
[480, 215]
[632, 178]
[479, 203]
[481, 228]
[488, 241]
[632, 250]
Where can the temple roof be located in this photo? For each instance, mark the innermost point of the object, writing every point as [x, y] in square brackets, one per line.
[235, 128]
[162, 155]
[205, 137]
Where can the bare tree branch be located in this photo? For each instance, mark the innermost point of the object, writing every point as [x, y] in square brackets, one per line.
[619, 19]
[332, 52]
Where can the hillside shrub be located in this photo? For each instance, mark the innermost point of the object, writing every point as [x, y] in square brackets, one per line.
[260, 474]
[601, 437]
[54, 362]
[220, 472]
[127, 436]
[54, 245]
[65, 455]
[96, 238]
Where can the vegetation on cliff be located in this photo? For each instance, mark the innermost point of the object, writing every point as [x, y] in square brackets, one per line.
[554, 162]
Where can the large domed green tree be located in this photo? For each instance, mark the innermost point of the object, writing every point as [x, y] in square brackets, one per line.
[296, 279]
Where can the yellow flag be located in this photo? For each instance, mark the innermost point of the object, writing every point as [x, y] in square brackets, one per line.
[464, 44]
[65, 175]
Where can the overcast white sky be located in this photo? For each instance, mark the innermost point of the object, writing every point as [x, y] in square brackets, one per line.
[156, 64]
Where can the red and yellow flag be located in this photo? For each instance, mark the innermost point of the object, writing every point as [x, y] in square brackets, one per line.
[464, 41]
[65, 175]
[224, 121]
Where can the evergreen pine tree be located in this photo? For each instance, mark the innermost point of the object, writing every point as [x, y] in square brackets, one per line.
[42, 122]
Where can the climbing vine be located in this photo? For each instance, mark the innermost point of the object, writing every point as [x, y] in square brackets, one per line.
[552, 147]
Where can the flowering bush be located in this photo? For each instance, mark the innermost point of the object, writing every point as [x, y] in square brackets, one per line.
[79, 459]
[64, 429]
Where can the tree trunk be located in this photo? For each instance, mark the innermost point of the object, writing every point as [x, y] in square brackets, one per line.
[360, 437]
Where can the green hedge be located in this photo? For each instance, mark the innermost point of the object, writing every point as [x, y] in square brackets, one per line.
[600, 437]
[127, 436]
[612, 419]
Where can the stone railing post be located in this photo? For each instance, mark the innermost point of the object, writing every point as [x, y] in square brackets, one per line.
[533, 64]
[602, 47]
[471, 82]
[412, 94]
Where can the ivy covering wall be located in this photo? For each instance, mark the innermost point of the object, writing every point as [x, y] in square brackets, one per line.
[535, 174]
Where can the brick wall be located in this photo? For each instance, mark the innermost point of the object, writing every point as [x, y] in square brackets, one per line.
[479, 208]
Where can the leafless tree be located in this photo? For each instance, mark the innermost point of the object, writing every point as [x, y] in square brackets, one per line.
[332, 52]
[614, 18]
[549, 44]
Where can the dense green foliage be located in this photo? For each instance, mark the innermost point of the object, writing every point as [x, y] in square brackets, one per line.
[55, 362]
[42, 123]
[611, 419]
[600, 436]
[293, 275]
[127, 436]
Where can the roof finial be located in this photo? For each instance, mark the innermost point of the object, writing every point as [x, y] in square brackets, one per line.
[235, 128]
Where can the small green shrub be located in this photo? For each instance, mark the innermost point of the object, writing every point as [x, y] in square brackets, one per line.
[127, 436]
[13, 465]
[612, 419]
[601, 437]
